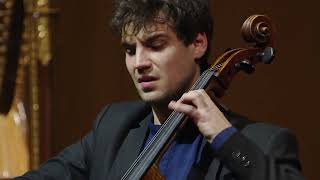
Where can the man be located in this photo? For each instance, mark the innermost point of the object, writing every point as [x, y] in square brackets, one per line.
[166, 44]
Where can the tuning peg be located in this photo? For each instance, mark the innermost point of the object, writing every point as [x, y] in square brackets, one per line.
[245, 66]
[267, 55]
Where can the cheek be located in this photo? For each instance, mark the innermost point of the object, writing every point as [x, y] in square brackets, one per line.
[180, 64]
[129, 65]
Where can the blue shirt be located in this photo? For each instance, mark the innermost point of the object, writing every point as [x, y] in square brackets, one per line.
[183, 153]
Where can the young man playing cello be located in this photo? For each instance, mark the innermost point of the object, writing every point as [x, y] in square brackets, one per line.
[167, 44]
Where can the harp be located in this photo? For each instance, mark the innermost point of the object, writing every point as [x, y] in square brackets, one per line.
[24, 49]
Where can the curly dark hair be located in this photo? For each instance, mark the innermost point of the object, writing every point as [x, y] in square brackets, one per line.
[186, 17]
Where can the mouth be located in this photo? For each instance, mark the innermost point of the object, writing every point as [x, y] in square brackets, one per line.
[147, 82]
[146, 79]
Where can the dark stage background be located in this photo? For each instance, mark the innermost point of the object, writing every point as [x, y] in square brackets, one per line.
[88, 69]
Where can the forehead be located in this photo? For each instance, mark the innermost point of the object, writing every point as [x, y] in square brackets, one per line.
[131, 33]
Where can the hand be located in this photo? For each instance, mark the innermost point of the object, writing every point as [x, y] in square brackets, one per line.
[202, 110]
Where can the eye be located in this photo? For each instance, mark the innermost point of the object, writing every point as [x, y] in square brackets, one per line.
[130, 51]
[157, 45]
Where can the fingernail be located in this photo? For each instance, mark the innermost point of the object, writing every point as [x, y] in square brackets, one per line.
[171, 103]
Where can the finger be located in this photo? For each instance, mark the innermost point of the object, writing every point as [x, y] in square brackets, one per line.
[207, 101]
[198, 98]
[187, 109]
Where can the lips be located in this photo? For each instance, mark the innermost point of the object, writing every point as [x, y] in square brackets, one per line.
[147, 82]
[146, 79]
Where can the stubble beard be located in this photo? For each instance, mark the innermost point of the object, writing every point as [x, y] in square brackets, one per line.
[162, 99]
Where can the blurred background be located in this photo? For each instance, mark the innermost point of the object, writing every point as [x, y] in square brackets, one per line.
[71, 65]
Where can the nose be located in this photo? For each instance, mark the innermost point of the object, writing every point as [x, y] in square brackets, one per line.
[142, 61]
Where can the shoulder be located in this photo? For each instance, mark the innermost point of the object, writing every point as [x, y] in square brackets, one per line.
[265, 135]
[248, 126]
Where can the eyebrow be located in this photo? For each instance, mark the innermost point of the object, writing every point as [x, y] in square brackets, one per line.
[147, 40]
[127, 45]
[155, 37]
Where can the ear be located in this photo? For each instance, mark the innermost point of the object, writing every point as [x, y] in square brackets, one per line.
[200, 45]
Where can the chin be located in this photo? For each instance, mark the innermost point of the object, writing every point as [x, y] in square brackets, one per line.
[150, 97]
[155, 98]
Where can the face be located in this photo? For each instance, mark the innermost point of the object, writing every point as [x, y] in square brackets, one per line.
[162, 67]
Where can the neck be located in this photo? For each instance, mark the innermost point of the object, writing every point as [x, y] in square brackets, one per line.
[160, 114]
